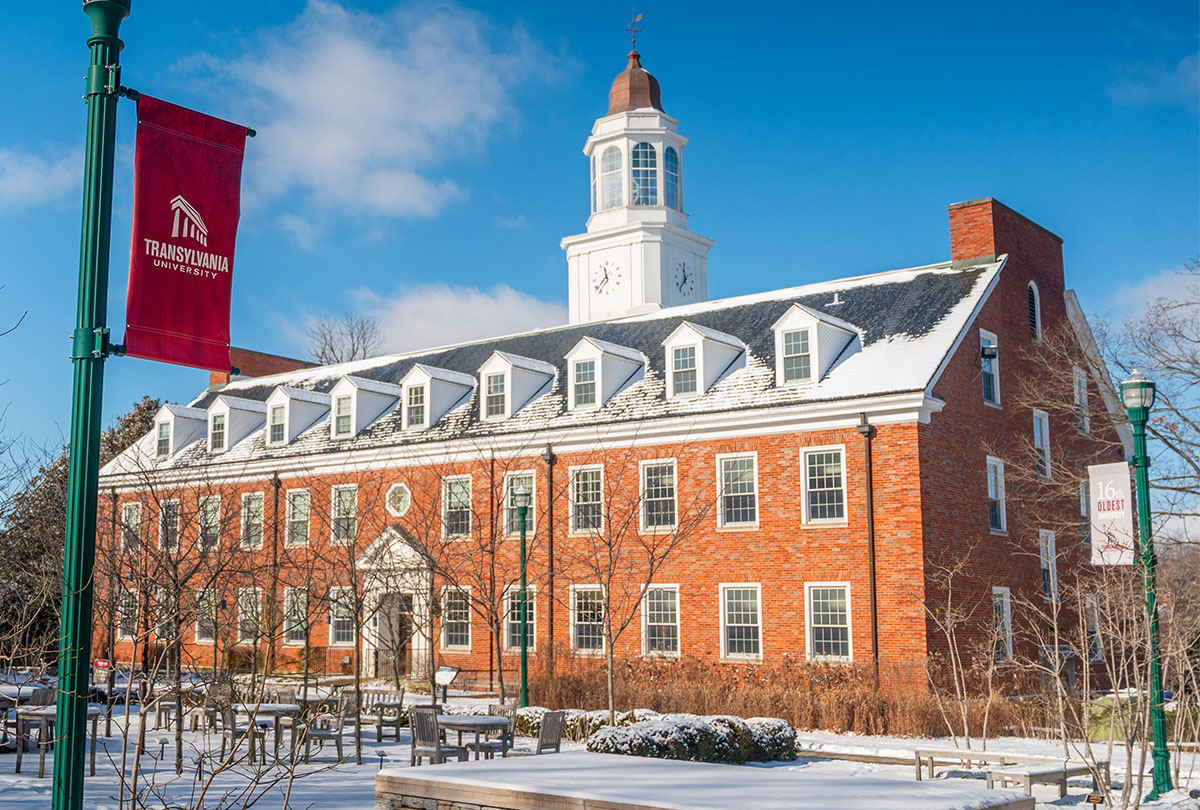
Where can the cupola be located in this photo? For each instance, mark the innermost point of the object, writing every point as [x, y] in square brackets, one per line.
[634, 88]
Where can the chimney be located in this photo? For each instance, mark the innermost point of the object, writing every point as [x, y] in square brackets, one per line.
[255, 364]
[988, 228]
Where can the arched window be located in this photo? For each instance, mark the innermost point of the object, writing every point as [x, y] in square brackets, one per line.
[593, 162]
[645, 175]
[671, 178]
[1035, 312]
[610, 178]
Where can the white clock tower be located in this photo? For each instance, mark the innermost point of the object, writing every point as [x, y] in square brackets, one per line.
[637, 254]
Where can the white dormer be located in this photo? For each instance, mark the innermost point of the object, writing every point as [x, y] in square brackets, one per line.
[430, 392]
[696, 357]
[507, 382]
[291, 411]
[231, 419]
[356, 402]
[597, 370]
[175, 427]
[807, 342]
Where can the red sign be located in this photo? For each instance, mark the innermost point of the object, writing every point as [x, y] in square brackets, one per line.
[187, 185]
[101, 663]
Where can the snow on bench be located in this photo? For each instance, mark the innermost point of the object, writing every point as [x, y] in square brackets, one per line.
[1047, 774]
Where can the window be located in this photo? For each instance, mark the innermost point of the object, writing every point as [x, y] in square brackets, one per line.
[658, 494]
[1085, 511]
[587, 499]
[1049, 564]
[587, 618]
[494, 404]
[1083, 420]
[645, 175]
[512, 619]
[209, 535]
[298, 502]
[828, 620]
[345, 513]
[683, 370]
[206, 616]
[216, 433]
[1041, 442]
[276, 436]
[341, 615]
[671, 178]
[456, 619]
[166, 614]
[127, 610]
[249, 601]
[593, 168]
[341, 416]
[416, 406]
[514, 483]
[1002, 625]
[738, 497]
[252, 520]
[163, 447]
[168, 526]
[295, 615]
[585, 383]
[131, 526]
[610, 178]
[456, 506]
[797, 356]
[740, 635]
[660, 613]
[824, 485]
[1035, 312]
[997, 513]
[1091, 618]
[989, 364]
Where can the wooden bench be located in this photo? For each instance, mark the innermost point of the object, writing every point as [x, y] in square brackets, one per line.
[1046, 774]
[382, 708]
[926, 757]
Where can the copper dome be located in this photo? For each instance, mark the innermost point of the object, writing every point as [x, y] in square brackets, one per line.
[634, 88]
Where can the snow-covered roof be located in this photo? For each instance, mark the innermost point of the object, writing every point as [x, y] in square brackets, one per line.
[243, 404]
[446, 375]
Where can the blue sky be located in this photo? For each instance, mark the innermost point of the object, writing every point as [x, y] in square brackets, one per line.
[420, 162]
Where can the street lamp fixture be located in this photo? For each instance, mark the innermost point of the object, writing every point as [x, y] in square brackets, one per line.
[1138, 394]
[521, 499]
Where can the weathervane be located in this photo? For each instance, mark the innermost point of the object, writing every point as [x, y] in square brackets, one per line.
[633, 29]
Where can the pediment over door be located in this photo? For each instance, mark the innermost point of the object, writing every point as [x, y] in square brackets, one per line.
[391, 551]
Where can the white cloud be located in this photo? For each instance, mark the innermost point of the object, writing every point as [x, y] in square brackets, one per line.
[1142, 83]
[1127, 300]
[512, 223]
[28, 179]
[362, 113]
[428, 315]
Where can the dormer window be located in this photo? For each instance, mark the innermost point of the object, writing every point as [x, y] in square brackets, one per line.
[342, 423]
[585, 383]
[697, 357]
[797, 358]
[277, 434]
[216, 433]
[416, 406]
[645, 175]
[683, 370]
[598, 371]
[163, 447]
[494, 405]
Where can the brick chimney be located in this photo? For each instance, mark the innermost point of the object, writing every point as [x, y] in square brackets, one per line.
[255, 364]
[988, 227]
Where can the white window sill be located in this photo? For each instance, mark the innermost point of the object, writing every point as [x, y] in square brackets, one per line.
[738, 527]
[657, 529]
[661, 655]
[825, 524]
[829, 659]
[341, 645]
[293, 643]
[995, 405]
[587, 653]
[596, 532]
[455, 649]
[998, 532]
[740, 659]
[517, 650]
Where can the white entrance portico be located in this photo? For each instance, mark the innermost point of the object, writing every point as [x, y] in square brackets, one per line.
[396, 602]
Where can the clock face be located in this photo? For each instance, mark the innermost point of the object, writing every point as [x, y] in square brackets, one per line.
[685, 278]
[399, 499]
[606, 277]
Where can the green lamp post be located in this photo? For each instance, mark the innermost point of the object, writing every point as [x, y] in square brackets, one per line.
[521, 499]
[1138, 394]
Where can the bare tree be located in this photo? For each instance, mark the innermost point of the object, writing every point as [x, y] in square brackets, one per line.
[339, 340]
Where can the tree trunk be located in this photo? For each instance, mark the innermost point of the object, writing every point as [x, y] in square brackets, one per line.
[612, 689]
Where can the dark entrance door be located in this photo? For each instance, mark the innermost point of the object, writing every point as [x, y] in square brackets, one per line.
[394, 654]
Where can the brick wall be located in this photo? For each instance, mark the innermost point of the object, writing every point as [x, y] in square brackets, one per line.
[255, 364]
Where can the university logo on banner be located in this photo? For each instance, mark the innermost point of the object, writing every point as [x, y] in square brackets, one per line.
[186, 203]
[1111, 508]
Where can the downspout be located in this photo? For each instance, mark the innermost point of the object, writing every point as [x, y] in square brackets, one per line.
[549, 457]
[867, 431]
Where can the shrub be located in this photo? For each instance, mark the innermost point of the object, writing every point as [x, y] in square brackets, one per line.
[771, 739]
[699, 739]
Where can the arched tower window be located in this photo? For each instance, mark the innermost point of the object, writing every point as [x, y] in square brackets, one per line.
[610, 178]
[645, 175]
[1035, 312]
[593, 167]
[671, 178]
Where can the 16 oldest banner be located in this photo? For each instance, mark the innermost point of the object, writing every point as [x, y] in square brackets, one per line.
[1111, 508]
[186, 203]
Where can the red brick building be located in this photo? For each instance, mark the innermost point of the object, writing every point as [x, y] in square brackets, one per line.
[698, 470]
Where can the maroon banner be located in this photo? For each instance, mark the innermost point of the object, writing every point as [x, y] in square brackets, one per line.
[187, 183]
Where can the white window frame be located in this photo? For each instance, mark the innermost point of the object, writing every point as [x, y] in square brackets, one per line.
[166, 615]
[987, 338]
[605, 202]
[695, 369]
[1042, 419]
[335, 593]
[333, 515]
[288, 538]
[1091, 628]
[674, 588]
[722, 588]
[162, 526]
[203, 526]
[485, 396]
[806, 520]
[283, 425]
[572, 525]
[998, 464]
[212, 432]
[1085, 511]
[1083, 416]
[127, 508]
[243, 522]
[575, 589]
[1006, 629]
[1048, 561]
[409, 424]
[510, 619]
[446, 480]
[722, 522]
[288, 627]
[808, 622]
[333, 416]
[124, 609]
[1035, 327]
[203, 597]
[241, 603]
[531, 512]
[159, 438]
[576, 405]
[781, 349]
[642, 465]
[466, 592]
